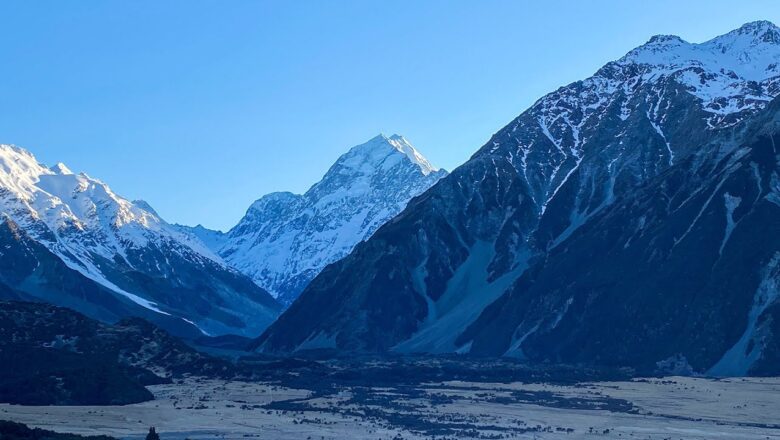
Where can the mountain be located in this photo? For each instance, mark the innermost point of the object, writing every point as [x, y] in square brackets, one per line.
[58, 348]
[68, 239]
[286, 239]
[681, 276]
[425, 281]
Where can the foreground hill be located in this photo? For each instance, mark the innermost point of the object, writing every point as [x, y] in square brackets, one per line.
[54, 356]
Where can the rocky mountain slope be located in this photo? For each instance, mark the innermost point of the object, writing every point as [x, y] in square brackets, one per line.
[681, 276]
[286, 239]
[572, 159]
[69, 240]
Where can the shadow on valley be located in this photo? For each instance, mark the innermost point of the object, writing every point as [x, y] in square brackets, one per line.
[46, 353]
[18, 431]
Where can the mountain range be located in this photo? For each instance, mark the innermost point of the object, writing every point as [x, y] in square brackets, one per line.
[625, 219]
[286, 239]
[68, 239]
[629, 219]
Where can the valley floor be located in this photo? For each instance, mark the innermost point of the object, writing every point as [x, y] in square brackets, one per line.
[667, 408]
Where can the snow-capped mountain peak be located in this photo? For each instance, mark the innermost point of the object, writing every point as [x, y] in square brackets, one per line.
[732, 76]
[750, 52]
[404, 146]
[60, 168]
[63, 200]
[285, 239]
[115, 243]
[761, 31]
[480, 234]
[748, 38]
[19, 170]
[378, 154]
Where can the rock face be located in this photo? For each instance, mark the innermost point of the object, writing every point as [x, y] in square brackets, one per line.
[286, 239]
[682, 274]
[69, 240]
[669, 116]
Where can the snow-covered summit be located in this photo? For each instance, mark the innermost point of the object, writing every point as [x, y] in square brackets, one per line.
[760, 31]
[64, 200]
[380, 152]
[122, 245]
[61, 168]
[751, 52]
[403, 145]
[730, 77]
[18, 170]
[285, 239]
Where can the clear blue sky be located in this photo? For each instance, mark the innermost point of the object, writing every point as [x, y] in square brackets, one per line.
[201, 107]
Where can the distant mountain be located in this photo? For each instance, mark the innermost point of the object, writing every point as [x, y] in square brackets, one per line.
[492, 258]
[286, 239]
[68, 239]
[46, 352]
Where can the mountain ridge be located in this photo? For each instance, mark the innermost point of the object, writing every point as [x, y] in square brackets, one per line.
[556, 167]
[124, 247]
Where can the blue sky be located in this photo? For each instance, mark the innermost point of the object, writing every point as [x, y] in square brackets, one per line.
[201, 107]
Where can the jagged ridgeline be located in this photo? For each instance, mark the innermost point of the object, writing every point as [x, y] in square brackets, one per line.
[69, 240]
[629, 218]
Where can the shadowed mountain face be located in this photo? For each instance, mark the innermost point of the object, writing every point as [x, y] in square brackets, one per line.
[29, 271]
[54, 356]
[577, 157]
[69, 240]
[681, 275]
[286, 239]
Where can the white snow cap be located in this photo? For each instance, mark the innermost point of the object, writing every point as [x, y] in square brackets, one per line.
[750, 51]
[403, 145]
[286, 239]
[378, 144]
[61, 168]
